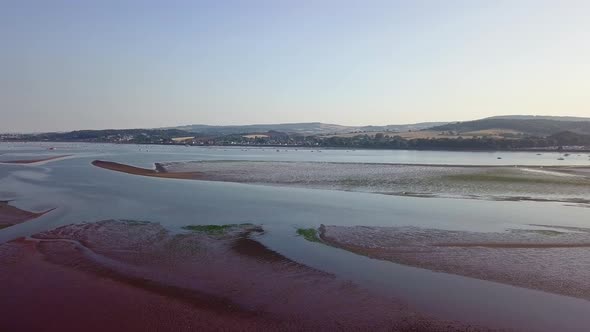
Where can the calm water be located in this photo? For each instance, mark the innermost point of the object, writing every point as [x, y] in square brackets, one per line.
[148, 153]
[83, 193]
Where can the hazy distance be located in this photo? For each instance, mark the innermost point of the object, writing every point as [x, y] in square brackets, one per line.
[128, 64]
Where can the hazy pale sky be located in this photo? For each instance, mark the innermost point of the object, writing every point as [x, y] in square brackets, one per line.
[121, 64]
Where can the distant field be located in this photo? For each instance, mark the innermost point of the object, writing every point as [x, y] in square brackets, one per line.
[405, 134]
[425, 134]
[535, 126]
[497, 133]
[255, 136]
[182, 139]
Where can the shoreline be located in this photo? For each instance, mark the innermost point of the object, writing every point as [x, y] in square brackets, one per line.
[32, 161]
[159, 172]
[315, 147]
[569, 184]
[10, 215]
[136, 271]
[528, 258]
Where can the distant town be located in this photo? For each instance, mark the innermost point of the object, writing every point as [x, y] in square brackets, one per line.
[501, 133]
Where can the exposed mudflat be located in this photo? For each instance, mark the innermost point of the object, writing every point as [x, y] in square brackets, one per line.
[10, 215]
[552, 259]
[137, 276]
[566, 184]
[34, 160]
[158, 172]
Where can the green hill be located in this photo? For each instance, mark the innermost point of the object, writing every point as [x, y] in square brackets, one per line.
[531, 127]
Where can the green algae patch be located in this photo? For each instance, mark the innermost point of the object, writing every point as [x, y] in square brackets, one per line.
[544, 232]
[310, 234]
[516, 178]
[214, 229]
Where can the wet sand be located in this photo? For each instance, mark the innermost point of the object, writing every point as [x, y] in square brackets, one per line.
[500, 183]
[515, 245]
[32, 161]
[554, 260]
[158, 172]
[136, 276]
[10, 215]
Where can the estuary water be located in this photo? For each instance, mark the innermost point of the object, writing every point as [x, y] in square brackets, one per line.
[80, 192]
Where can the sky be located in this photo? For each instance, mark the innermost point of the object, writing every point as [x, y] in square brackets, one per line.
[68, 65]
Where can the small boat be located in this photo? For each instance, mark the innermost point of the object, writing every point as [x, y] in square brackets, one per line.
[499, 158]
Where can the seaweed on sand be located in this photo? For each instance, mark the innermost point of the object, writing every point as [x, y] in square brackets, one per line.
[215, 229]
[310, 234]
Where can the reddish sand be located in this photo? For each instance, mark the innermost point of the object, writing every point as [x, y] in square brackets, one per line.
[32, 161]
[158, 172]
[555, 260]
[10, 215]
[515, 245]
[133, 276]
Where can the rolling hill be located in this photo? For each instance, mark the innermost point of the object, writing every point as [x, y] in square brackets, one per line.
[540, 117]
[308, 128]
[533, 126]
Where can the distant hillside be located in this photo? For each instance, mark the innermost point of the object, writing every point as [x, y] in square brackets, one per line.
[533, 126]
[300, 128]
[401, 128]
[540, 117]
[112, 135]
[309, 128]
[569, 138]
[486, 134]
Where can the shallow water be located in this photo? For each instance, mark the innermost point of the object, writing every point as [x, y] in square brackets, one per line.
[445, 295]
[144, 155]
[483, 182]
[83, 193]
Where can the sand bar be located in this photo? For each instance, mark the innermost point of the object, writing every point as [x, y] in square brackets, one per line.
[158, 172]
[501, 183]
[10, 215]
[32, 161]
[141, 277]
[552, 260]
